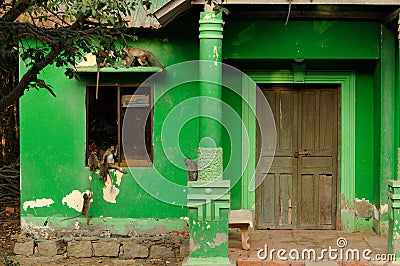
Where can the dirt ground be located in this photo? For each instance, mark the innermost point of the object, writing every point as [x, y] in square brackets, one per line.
[9, 228]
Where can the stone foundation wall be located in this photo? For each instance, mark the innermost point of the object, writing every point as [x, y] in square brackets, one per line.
[172, 246]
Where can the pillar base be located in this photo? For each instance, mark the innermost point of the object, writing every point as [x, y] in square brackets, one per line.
[217, 261]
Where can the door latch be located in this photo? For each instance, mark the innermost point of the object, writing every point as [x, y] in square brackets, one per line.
[305, 153]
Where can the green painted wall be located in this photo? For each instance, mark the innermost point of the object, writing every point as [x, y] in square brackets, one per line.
[367, 168]
[53, 130]
[301, 39]
[316, 42]
[231, 142]
[53, 136]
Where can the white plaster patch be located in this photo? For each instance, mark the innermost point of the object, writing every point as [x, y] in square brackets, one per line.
[216, 55]
[37, 203]
[208, 17]
[376, 213]
[219, 239]
[110, 192]
[90, 61]
[74, 200]
[119, 175]
[384, 208]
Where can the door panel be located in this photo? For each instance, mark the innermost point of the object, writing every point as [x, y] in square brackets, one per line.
[300, 189]
[275, 196]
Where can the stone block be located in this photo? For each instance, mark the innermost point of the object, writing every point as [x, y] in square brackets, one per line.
[24, 248]
[51, 248]
[106, 249]
[131, 250]
[80, 249]
[321, 263]
[249, 263]
[184, 251]
[161, 252]
[276, 263]
[297, 263]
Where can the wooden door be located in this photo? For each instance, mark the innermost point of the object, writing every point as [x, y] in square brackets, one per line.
[300, 189]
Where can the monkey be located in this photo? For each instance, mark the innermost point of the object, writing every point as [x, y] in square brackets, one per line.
[103, 59]
[101, 62]
[93, 164]
[108, 163]
[103, 171]
[87, 197]
[109, 157]
[144, 57]
[192, 169]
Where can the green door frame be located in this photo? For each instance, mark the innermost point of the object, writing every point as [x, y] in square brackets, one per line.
[346, 81]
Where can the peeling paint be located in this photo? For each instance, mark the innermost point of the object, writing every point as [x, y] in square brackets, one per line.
[376, 213]
[193, 245]
[363, 208]
[38, 232]
[384, 208]
[216, 55]
[118, 175]
[74, 200]
[219, 239]
[37, 203]
[344, 203]
[208, 17]
[110, 192]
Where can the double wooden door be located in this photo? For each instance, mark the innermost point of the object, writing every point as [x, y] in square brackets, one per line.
[299, 191]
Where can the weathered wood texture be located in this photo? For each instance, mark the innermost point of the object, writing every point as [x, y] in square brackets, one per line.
[299, 190]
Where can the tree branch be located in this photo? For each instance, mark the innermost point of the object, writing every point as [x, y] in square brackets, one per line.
[18, 9]
[32, 73]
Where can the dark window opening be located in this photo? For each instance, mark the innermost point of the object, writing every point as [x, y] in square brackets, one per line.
[119, 107]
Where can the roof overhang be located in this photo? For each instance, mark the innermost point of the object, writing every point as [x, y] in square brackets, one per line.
[175, 8]
[171, 10]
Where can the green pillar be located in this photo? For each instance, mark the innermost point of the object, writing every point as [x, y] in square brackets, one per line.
[211, 70]
[387, 121]
[208, 198]
[394, 217]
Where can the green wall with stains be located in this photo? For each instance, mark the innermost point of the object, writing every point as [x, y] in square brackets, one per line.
[53, 130]
[325, 45]
[367, 149]
[53, 141]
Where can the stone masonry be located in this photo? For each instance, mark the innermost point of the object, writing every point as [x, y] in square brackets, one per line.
[171, 245]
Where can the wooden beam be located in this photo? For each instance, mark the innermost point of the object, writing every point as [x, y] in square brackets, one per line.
[170, 10]
[308, 14]
[308, 2]
[391, 17]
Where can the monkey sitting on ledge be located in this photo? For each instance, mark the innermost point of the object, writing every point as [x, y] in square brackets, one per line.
[143, 57]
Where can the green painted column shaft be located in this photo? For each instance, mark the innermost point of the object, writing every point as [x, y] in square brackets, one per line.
[209, 198]
[397, 104]
[210, 70]
[388, 84]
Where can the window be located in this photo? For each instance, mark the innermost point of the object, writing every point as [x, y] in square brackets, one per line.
[118, 107]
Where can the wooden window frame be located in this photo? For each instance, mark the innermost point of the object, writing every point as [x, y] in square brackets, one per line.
[118, 87]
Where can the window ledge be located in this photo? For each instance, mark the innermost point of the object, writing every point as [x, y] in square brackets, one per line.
[141, 69]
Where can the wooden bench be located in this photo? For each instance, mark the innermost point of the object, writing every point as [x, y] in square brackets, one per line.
[242, 219]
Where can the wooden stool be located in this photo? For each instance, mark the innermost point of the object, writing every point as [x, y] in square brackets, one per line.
[242, 219]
